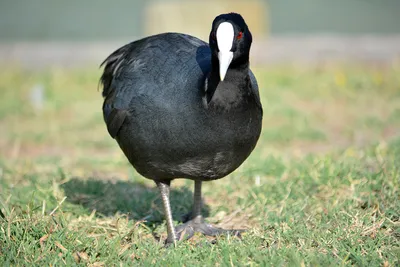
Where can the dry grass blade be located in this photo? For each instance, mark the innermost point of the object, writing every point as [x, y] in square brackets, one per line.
[42, 240]
[58, 206]
[60, 246]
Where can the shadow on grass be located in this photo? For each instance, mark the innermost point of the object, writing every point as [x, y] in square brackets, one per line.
[136, 200]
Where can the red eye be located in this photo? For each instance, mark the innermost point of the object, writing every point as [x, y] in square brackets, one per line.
[240, 35]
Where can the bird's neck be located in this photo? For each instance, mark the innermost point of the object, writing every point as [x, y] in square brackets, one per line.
[236, 82]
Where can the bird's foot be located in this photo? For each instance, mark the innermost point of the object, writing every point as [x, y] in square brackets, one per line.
[187, 230]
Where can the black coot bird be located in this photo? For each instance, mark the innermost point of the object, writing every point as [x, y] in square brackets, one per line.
[180, 108]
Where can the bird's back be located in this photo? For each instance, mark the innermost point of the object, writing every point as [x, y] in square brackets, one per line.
[156, 66]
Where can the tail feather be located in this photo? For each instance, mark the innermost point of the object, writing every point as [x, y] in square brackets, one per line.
[111, 66]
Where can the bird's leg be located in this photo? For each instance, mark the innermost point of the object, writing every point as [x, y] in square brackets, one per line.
[196, 223]
[164, 188]
[196, 213]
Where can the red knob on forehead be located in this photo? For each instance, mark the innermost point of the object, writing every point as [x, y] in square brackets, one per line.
[240, 35]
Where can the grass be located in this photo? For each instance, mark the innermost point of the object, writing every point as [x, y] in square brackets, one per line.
[321, 188]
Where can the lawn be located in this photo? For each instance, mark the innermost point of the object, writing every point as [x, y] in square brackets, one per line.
[320, 189]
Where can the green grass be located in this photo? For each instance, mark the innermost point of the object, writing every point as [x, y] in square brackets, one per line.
[321, 188]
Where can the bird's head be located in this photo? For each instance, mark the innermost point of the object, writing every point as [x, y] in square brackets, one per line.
[230, 41]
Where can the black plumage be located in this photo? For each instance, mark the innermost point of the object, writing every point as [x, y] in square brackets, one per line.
[173, 117]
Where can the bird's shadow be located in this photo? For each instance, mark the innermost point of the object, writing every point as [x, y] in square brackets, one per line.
[136, 200]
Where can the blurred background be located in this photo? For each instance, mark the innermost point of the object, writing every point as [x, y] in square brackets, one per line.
[44, 32]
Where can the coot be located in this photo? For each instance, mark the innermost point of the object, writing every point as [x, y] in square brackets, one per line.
[181, 108]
